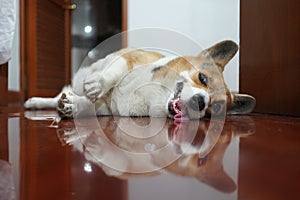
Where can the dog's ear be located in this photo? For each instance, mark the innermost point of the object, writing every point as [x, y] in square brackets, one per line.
[221, 53]
[242, 104]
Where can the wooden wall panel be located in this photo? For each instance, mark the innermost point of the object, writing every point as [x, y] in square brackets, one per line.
[270, 54]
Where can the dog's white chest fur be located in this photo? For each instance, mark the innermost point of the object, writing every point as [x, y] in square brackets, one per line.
[137, 94]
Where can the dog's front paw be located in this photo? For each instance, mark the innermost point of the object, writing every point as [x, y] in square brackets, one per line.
[95, 87]
[65, 106]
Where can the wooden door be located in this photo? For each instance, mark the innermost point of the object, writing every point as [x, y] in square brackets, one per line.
[270, 54]
[47, 46]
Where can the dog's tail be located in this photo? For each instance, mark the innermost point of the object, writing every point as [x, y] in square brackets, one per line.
[45, 103]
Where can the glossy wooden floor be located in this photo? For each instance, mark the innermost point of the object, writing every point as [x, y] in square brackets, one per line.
[247, 157]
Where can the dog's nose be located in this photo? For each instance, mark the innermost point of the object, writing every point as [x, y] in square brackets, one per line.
[197, 102]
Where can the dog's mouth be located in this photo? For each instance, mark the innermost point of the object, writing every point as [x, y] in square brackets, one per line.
[176, 107]
[177, 110]
[185, 105]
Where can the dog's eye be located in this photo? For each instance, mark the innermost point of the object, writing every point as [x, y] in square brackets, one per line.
[202, 79]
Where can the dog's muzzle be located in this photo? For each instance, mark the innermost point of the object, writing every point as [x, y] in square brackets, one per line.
[187, 107]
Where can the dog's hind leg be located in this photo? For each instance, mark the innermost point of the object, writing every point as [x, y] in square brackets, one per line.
[40, 103]
[45, 103]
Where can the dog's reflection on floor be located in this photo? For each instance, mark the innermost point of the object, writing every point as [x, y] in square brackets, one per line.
[133, 147]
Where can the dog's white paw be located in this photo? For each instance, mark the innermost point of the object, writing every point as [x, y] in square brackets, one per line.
[65, 105]
[95, 86]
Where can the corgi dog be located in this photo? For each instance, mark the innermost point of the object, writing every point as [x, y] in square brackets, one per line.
[134, 82]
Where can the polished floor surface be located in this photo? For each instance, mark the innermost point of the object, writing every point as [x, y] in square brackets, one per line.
[241, 157]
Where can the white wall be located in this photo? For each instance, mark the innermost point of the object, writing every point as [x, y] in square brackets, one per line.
[14, 63]
[205, 21]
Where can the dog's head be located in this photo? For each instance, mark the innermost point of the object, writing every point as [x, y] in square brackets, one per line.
[201, 90]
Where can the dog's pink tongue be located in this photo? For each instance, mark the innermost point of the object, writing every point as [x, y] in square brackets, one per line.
[179, 117]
